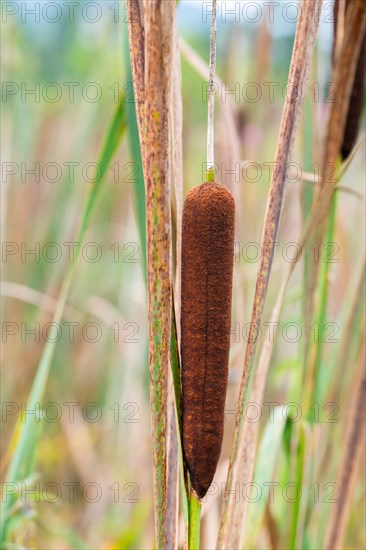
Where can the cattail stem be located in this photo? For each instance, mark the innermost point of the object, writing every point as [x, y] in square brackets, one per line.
[194, 522]
[211, 97]
[210, 175]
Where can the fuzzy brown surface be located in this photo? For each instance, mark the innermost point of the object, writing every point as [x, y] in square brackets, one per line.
[207, 272]
[356, 105]
[356, 101]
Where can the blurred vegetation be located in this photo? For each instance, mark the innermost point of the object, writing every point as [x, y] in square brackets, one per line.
[113, 452]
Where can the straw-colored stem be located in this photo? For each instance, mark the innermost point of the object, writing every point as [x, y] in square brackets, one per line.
[211, 95]
[231, 520]
[151, 61]
[352, 452]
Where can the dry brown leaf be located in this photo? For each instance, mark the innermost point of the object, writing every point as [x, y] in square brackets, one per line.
[354, 442]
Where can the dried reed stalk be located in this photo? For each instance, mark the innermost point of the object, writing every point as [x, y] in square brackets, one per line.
[347, 52]
[343, 76]
[177, 162]
[356, 101]
[322, 204]
[136, 36]
[258, 387]
[231, 515]
[151, 59]
[228, 112]
[353, 322]
[176, 122]
[317, 213]
[354, 442]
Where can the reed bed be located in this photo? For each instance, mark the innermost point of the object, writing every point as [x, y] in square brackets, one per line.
[193, 335]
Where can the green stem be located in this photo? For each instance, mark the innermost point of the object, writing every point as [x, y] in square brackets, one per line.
[309, 131]
[210, 175]
[316, 394]
[174, 357]
[322, 312]
[300, 462]
[194, 522]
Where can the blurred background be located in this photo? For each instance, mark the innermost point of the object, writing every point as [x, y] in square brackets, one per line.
[64, 68]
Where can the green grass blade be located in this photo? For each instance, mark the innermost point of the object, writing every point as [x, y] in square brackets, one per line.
[174, 357]
[194, 522]
[323, 300]
[300, 463]
[307, 201]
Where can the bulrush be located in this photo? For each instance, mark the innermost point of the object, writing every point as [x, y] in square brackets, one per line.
[207, 272]
[356, 100]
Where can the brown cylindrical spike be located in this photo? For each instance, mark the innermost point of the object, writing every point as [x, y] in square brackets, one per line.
[207, 272]
[356, 104]
[356, 100]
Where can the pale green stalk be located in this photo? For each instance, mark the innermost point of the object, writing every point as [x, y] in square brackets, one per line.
[194, 522]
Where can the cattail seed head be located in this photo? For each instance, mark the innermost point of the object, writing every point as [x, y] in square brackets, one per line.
[207, 271]
[356, 100]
